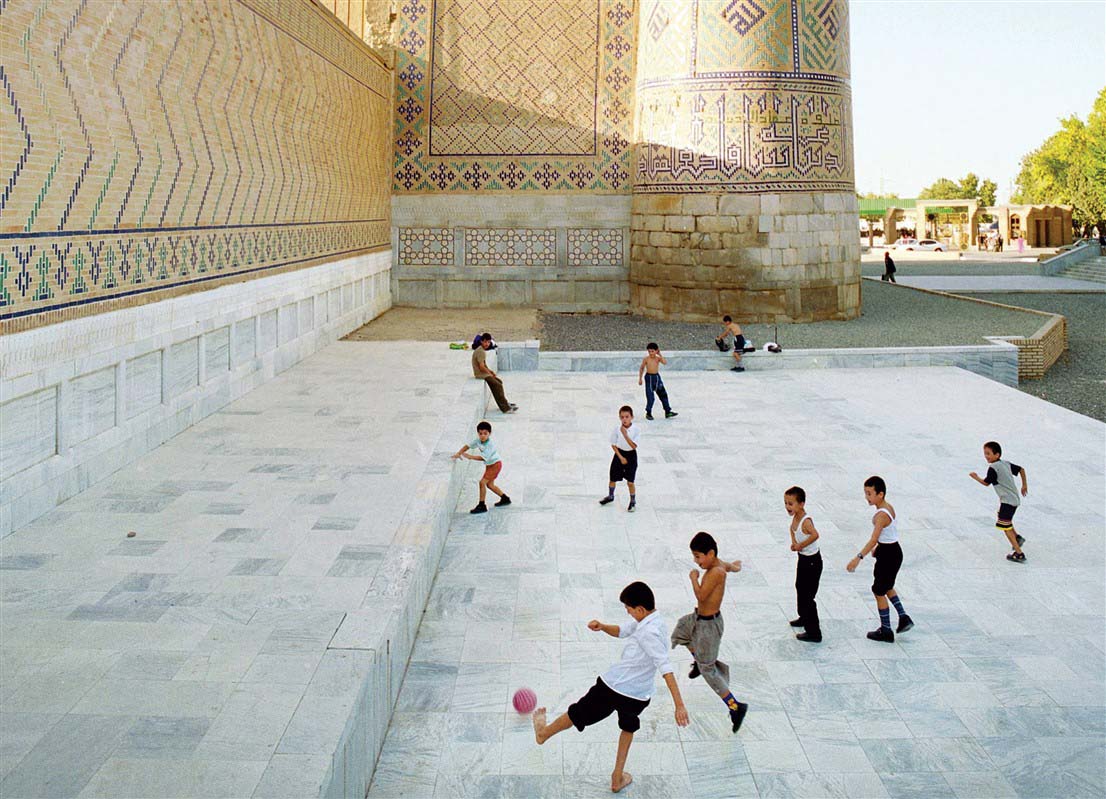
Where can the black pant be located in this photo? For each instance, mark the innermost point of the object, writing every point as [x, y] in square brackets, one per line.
[808, 572]
[654, 384]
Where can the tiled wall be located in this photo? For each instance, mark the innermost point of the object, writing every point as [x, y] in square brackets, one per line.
[151, 149]
[83, 398]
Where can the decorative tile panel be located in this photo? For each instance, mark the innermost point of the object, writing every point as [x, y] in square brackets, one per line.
[425, 246]
[595, 247]
[510, 247]
[151, 146]
[514, 95]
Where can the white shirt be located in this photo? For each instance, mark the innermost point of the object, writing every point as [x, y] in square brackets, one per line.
[810, 548]
[633, 431]
[890, 533]
[645, 653]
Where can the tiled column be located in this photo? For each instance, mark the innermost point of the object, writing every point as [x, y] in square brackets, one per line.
[744, 195]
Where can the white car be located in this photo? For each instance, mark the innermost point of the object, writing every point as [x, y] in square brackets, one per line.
[925, 245]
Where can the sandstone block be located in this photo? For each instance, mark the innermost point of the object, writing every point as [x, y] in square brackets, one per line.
[796, 204]
[682, 223]
[739, 204]
[700, 204]
[716, 224]
[770, 203]
[764, 223]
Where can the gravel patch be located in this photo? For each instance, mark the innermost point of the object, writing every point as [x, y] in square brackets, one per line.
[905, 268]
[1078, 380]
[448, 324]
[892, 316]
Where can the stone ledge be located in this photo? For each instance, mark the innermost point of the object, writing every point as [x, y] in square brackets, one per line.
[997, 361]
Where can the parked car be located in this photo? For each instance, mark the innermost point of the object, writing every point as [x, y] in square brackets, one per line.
[905, 244]
[929, 245]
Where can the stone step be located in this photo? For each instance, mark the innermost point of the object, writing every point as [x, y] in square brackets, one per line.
[1093, 269]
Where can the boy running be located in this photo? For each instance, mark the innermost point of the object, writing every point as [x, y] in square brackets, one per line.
[730, 327]
[884, 542]
[624, 463]
[701, 631]
[492, 466]
[650, 369]
[1001, 474]
[626, 688]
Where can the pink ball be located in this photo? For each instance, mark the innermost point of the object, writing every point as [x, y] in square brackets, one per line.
[525, 700]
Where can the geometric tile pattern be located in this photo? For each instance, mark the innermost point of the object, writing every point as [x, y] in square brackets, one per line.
[40, 276]
[763, 40]
[486, 100]
[425, 246]
[504, 112]
[510, 247]
[158, 138]
[595, 247]
[824, 37]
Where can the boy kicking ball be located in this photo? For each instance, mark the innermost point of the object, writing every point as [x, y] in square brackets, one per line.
[1001, 474]
[626, 688]
[493, 465]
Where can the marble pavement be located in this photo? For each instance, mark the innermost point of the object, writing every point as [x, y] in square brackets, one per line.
[208, 655]
[997, 692]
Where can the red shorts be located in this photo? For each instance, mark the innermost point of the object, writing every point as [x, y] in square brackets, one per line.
[491, 472]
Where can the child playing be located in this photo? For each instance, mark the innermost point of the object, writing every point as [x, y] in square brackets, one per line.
[884, 541]
[624, 463]
[730, 327]
[492, 466]
[1001, 474]
[808, 569]
[626, 687]
[701, 631]
[651, 369]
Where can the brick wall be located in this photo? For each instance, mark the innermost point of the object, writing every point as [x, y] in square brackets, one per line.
[150, 149]
[1038, 352]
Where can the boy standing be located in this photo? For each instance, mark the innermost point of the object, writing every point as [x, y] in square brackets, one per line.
[1001, 474]
[808, 569]
[492, 466]
[481, 370]
[651, 370]
[626, 688]
[624, 463]
[730, 327]
[701, 631]
[884, 541]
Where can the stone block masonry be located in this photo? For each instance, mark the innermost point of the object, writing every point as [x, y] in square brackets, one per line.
[759, 257]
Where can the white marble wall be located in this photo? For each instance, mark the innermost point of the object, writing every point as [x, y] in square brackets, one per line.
[81, 399]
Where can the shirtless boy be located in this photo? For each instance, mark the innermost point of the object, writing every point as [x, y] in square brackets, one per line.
[650, 370]
[701, 631]
[730, 327]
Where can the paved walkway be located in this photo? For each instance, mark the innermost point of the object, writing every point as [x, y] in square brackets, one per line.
[193, 659]
[1002, 283]
[998, 691]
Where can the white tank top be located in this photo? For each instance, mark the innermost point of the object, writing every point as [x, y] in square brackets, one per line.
[810, 548]
[890, 533]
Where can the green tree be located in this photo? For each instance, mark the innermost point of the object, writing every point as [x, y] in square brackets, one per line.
[1069, 168]
[968, 187]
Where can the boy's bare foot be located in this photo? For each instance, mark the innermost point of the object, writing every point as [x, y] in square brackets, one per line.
[627, 778]
[539, 725]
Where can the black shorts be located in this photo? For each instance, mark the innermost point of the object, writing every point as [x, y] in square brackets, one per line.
[738, 343]
[627, 472]
[600, 701]
[888, 561]
[1005, 520]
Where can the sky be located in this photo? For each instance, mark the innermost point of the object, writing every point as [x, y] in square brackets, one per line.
[941, 89]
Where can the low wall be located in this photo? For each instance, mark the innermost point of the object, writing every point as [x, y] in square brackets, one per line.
[1084, 250]
[997, 361]
[1037, 353]
[83, 398]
